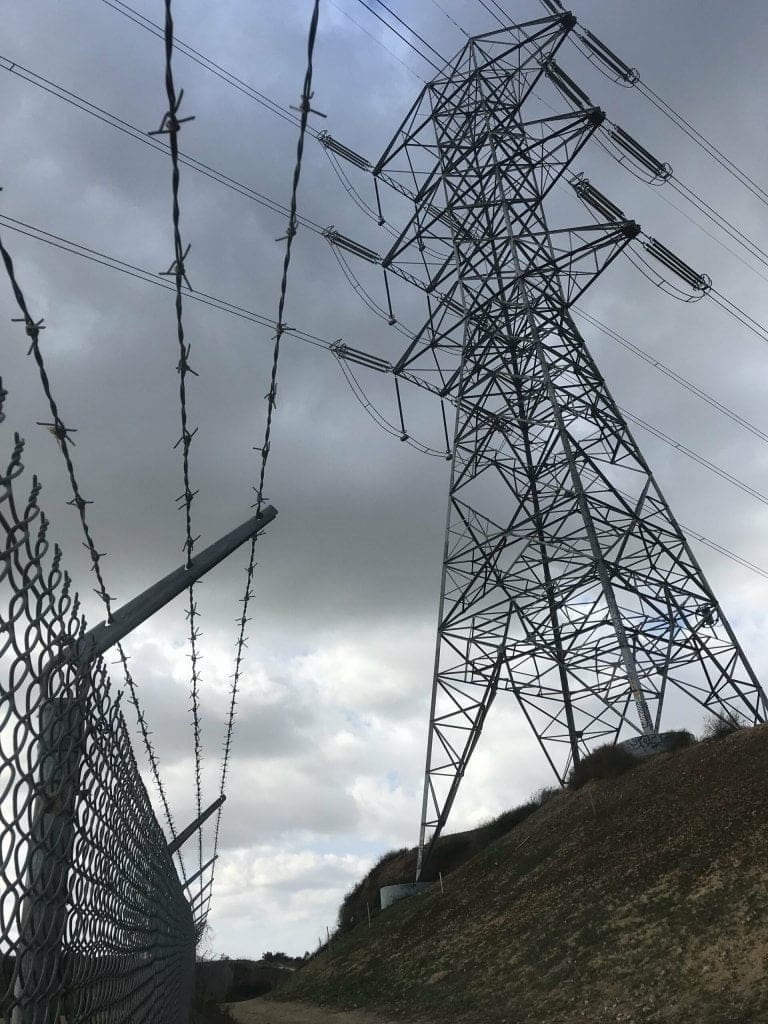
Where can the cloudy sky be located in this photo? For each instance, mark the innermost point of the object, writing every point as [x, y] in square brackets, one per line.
[329, 743]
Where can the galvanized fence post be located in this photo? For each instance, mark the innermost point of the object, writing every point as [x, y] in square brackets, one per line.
[40, 964]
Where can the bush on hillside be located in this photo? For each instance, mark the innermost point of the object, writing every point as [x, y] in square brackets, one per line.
[507, 820]
[545, 794]
[449, 853]
[606, 762]
[678, 739]
[715, 728]
[353, 907]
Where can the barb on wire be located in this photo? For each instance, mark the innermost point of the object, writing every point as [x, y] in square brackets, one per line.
[80, 503]
[170, 126]
[271, 397]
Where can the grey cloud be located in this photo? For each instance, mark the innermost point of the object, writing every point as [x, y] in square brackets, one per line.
[353, 560]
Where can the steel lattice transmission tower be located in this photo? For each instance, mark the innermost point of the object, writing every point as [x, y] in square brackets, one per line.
[567, 581]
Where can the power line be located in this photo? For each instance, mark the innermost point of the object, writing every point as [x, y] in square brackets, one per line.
[722, 222]
[703, 143]
[376, 40]
[148, 276]
[673, 375]
[400, 36]
[613, 67]
[612, 143]
[358, 392]
[408, 28]
[738, 314]
[453, 21]
[119, 124]
[493, 14]
[311, 339]
[696, 457]
[725, 225]
[241, 312]
[710, 234]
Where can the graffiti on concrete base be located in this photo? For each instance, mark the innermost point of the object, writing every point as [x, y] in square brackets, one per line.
[645, 746]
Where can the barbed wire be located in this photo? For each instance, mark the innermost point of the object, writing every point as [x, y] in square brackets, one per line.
[171, 125]
[305, 109]
[62, 434]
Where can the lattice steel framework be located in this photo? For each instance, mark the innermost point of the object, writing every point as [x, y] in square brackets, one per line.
[566, 579]
[94, 923]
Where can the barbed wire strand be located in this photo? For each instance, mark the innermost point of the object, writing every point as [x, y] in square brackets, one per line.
[271, 397]
[171, 125]
[206, 62]
[61, 433]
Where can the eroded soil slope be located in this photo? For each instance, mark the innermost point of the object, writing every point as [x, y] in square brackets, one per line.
[639, 899]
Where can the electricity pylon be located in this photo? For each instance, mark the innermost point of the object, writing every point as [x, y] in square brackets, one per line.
[567, 581]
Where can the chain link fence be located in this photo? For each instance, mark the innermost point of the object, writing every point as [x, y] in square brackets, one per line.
[94, 923]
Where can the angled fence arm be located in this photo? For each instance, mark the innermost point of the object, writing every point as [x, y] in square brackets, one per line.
[99, 639]
[193, 826]
[200, 871]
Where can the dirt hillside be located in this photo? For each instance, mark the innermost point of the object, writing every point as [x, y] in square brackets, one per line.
[637, 899]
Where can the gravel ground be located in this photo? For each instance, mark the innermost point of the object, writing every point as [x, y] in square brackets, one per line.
[257, 1011]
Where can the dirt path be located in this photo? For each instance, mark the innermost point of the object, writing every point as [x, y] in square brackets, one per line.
[257, 1011]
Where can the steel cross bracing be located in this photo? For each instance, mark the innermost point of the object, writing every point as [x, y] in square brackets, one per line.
[566, 579]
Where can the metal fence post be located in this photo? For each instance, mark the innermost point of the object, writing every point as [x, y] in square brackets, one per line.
[40, 964]
[95, 923]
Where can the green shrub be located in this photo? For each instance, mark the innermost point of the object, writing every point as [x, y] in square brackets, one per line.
[716, 727]
[606, 762]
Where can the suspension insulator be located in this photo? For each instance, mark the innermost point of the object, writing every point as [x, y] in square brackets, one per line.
[639, 154]
[355, 355]
[589, 195]
[350, 245]
[699, 282]
[566, 85]
[612, 65]
[343, 151]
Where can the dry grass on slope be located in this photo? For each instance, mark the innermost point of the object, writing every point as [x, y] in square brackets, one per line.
[637, 899]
